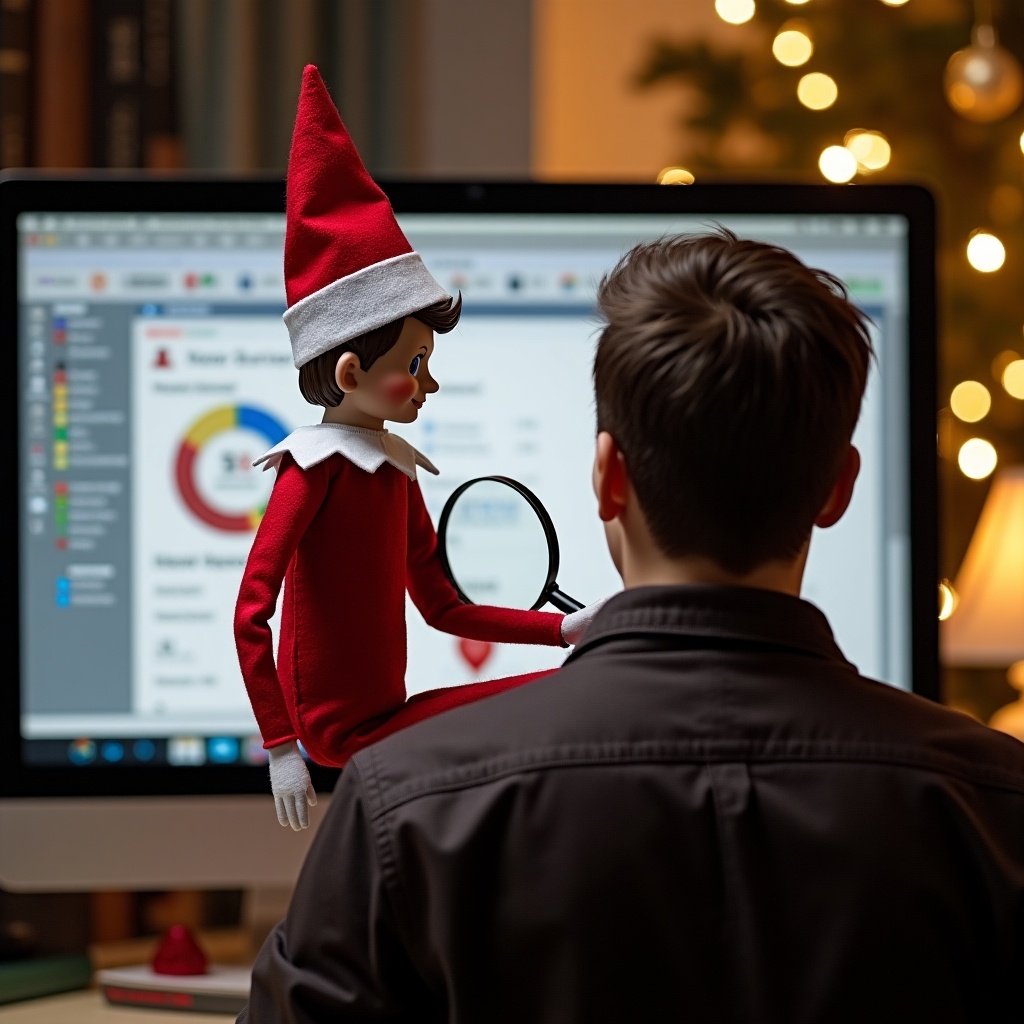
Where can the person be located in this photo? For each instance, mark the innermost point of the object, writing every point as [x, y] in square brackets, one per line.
[346, 531]
[707, 813]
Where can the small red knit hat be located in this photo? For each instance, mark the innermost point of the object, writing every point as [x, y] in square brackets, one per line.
[348, 267]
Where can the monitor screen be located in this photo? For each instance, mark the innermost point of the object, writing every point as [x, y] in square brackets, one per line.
[152, 366]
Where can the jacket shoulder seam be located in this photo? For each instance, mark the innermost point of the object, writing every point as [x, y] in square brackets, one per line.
[654, 752]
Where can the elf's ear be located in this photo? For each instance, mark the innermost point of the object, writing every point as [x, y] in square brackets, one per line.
[346, 372]
[838, 500]
[610, 477]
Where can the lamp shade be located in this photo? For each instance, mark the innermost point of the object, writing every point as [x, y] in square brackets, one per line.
[987, 627]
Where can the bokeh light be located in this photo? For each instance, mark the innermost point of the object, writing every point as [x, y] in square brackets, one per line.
[792, 46]
[735, 12]
[675, 176]
[871, 149]
[970, 401]
[1013, 379]
[894, 3]
[837, 163]
[985, 252]
[948, 600]
[977, 458]
[817, 91]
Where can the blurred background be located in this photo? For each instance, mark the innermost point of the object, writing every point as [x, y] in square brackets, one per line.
[677, 91]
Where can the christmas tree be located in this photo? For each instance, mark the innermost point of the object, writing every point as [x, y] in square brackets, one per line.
[926, 92]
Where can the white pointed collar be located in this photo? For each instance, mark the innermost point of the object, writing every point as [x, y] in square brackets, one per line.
[363, 447]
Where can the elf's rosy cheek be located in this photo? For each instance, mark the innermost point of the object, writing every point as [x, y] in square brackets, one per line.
[399, 387]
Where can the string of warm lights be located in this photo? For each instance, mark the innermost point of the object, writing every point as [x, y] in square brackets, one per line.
[983, 83]
[861, 152]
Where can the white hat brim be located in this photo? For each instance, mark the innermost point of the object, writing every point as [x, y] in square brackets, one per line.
[353, 305]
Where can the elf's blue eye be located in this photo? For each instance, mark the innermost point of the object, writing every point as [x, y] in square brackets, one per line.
[414, 366]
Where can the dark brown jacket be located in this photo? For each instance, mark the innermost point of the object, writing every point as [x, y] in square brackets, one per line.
[706, 815]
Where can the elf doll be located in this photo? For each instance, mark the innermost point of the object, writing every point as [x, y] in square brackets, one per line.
[346, 531]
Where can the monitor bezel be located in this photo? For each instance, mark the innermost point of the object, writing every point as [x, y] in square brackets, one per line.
[98, 192]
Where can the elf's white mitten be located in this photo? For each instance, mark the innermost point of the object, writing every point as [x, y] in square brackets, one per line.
[575, 624]
[291, 786]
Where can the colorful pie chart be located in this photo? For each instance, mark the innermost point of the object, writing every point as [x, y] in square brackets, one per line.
[199, 434]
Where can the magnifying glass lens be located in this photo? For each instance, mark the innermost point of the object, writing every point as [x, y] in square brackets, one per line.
[496, 546]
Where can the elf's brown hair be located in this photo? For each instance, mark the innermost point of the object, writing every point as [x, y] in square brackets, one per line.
[317, 383]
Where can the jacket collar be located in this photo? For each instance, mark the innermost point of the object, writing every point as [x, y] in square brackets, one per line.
[368, 449]
[731, 614]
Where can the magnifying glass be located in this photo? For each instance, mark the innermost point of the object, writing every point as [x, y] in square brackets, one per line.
[498, 546]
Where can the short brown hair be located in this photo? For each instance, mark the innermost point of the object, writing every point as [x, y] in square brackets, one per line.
[731, 376]
[316, 378]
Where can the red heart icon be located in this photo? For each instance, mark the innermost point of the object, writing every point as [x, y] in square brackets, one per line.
[476, 652]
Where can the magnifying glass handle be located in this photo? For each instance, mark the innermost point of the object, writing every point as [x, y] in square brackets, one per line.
[563, 602]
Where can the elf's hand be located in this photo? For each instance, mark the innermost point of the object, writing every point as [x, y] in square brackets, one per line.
[292, 789]
[575, 624]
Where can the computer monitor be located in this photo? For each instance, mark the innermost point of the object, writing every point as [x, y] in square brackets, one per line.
[150, 366]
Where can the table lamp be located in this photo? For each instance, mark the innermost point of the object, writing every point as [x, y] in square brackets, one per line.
[986, 628]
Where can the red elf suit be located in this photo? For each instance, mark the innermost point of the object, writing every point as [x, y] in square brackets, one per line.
[346, 531]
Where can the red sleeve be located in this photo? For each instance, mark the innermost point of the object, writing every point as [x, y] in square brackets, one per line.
[294, 501]
[441, 606]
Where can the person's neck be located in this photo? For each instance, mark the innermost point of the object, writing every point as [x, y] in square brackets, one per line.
[650, 567]
[350, 415]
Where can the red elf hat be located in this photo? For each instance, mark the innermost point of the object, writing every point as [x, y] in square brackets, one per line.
[348, 267]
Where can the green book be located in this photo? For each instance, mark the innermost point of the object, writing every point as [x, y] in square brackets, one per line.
[43, 976]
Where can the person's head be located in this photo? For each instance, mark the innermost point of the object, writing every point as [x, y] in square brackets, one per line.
[728, 381]
[327, 378]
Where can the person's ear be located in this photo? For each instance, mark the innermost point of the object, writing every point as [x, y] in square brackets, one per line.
[838, 500]
[345, 371]
[610, 477]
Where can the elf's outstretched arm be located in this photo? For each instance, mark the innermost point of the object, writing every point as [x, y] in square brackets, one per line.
[442, 608]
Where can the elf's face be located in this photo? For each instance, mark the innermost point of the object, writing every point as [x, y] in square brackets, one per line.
[397, 384]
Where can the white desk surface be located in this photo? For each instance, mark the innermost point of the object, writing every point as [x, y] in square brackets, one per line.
[89, 1007]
